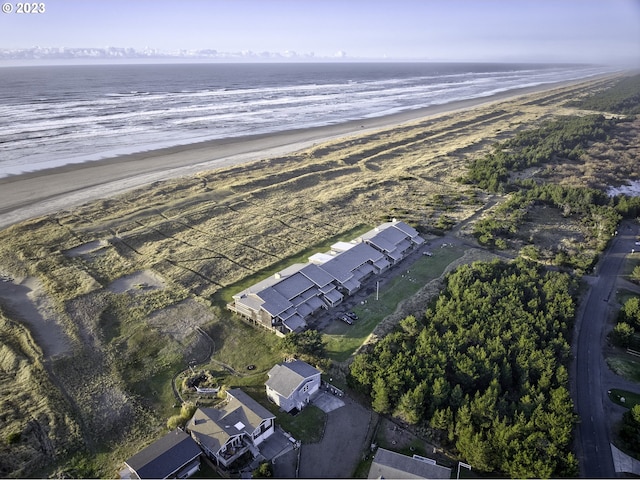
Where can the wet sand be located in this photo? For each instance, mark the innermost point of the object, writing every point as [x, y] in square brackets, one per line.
[47, 191]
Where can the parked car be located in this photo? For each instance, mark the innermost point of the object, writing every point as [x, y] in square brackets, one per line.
[352, 315]
[346, 319]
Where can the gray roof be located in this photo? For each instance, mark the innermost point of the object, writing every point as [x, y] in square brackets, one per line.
[293, 285]
[388, 464]
[274, 302]
[298, 289]
[317, 275]
[295, 323]
[241, 414]
[285, 377]
[342, 266]
[387, 239]
[408, 229]
[165, 456]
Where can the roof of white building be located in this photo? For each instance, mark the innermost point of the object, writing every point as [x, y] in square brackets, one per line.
[285, 377]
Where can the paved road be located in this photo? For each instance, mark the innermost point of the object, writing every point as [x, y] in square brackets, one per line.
[592, 376]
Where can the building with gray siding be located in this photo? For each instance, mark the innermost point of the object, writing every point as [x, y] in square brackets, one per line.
[292, 384]
[284, 301]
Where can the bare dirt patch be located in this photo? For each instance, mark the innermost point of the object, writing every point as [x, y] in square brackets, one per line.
[138, 282]
[180, 321]
[88, 249]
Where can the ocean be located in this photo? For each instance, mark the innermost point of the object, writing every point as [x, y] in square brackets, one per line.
[56, 115]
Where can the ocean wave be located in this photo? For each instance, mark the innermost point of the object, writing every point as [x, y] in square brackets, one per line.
[76, 121]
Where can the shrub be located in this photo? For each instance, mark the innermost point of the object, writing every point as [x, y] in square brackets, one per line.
[265, 470]
[13, 438]
[622, 334]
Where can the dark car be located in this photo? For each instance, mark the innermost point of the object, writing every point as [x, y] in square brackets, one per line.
[346, 319]
[352, 315]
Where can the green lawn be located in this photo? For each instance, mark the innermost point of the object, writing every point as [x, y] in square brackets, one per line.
[238, 345]
[342, 339]
[630, 262]
[630, 399]
[623, 295]
[625, 366]
[307, 426]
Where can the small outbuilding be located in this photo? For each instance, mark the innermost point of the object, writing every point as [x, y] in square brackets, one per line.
[175, 455]
[292, 384]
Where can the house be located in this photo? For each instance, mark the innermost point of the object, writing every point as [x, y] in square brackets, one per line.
[292, 384]
[228, 432]
[285, 301]
[388, 464]
[175, 455]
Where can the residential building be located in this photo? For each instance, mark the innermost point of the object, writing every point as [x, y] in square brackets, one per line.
[285, 301]
[292, 384]
[175, 455]
[228, 432]
[394, 239]
[388, 464]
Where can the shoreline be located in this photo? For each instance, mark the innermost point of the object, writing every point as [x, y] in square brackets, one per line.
[46, 191]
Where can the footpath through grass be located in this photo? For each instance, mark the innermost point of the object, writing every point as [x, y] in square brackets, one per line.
[342, 339]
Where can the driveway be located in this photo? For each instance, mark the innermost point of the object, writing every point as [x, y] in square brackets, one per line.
[342, 445]
[327, 402]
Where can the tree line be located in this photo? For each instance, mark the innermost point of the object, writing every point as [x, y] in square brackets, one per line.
[485, 370]
[599, 215]
[623, 97]
[565, 137]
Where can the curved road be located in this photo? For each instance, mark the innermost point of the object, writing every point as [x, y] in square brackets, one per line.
[592, 377]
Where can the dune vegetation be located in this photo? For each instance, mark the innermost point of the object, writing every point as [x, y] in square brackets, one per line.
[186, 245]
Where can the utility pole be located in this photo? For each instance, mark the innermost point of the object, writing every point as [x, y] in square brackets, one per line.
[377, 289]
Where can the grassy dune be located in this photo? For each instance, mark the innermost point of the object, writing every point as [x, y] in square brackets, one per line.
[38, 424]
[206, 237]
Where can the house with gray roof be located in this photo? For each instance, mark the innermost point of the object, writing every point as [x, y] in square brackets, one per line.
[292, 384]
[284, 301]
[175, 455]
[394, 239]
[228, 432]
[388, 464]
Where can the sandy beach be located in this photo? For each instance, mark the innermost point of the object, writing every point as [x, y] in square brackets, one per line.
[47, 191]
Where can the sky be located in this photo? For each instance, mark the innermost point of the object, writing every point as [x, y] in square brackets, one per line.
[594, 31]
